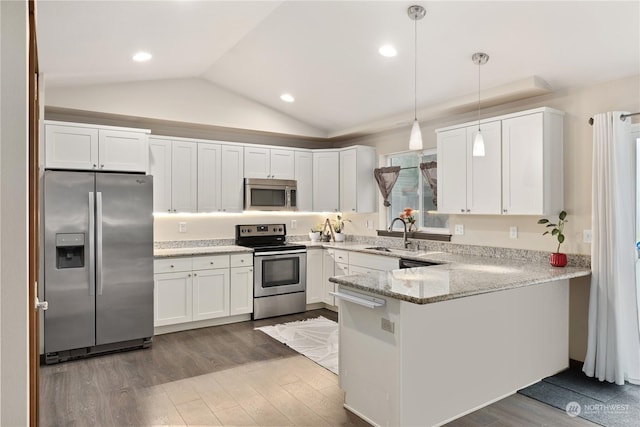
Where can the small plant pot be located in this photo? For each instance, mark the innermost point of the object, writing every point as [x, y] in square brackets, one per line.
[314, 236]
[557, 259]
[339, 237]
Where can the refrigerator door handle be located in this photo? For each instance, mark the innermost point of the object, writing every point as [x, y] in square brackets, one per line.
[99, 241]
[91, 243]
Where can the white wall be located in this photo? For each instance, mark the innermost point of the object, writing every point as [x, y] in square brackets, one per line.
[193, 100]
[14, 368]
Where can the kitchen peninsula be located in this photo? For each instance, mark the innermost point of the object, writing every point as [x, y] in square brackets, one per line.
[445, 340]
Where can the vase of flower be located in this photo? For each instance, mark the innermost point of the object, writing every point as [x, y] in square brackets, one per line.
[338, 228]
[409, 219]
[314, 236]
[339, 237]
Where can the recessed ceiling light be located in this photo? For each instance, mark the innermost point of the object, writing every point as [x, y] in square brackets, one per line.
[287, 97]
[142, 56]
[388, 51]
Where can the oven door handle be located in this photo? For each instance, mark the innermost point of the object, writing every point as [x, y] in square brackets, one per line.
[295, 251]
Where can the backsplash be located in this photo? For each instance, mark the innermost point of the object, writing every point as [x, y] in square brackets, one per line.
[574, 260]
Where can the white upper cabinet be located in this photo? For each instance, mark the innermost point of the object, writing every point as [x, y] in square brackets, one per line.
[193, 176]
[304, 178]
[532, 159]
[184, 176]
[160, 168]
[521, 172]
[468, 184]
[326, 181]
[209, 177]
[357, 183]
[268, 163]
[90, 147]
[232, 178]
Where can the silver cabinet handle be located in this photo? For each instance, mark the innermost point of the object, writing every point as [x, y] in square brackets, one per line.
[195, 274]
[102, 166]
[92, 237]
[211, 263]
[241, 260]
[169, 210]
[189, 275]
[95, 166]
[171, 266]
[461, 210]
[468, 210]
[99, 241]
[504, 211]
[251, 269]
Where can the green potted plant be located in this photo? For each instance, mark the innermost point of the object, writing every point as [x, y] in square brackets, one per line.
[556, 259]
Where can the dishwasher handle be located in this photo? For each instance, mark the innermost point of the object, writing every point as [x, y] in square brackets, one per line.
[360, 299]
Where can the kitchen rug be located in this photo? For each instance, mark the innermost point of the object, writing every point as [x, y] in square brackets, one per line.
[603, 403]
[315, 338]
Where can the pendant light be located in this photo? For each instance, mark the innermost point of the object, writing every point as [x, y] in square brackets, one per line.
[479, 59]
[416, 13]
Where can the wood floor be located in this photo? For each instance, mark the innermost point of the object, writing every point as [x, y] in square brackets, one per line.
[227, 375]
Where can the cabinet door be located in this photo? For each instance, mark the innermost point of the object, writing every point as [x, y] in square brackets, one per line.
[452, 171]
[122, 151]
[315, 287]
[209, 174]
[282, 164]
[232, 178]
[257, 162]
[241, 300]
[522, 165]
[326, 188]
[172, 298]
[68, 147]
[304, 177]
[184, 176]
[160, 168]
[484, 174]
[348, 180]
[210, 293]
[328, 270]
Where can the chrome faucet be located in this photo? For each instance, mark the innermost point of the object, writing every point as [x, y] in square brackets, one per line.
[404, 234]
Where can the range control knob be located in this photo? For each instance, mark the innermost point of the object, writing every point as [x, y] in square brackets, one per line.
[279, 229]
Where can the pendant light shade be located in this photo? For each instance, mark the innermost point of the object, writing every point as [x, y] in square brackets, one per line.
[478, 145]
[479, 59]
[415, 141]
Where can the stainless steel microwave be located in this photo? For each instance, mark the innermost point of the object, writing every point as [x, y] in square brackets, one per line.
[270, 194]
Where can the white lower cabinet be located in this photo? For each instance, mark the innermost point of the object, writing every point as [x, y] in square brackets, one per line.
[210, 294]
[315, 284]
[189, 289]
[328, 270]
[241, 296]
[172, 298]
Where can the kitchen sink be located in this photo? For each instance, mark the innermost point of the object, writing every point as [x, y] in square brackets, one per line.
[379, 248]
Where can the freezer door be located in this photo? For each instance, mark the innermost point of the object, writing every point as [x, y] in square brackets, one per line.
[124, 257]
[69, 322]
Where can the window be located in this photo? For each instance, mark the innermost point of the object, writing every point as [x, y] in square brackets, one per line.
[413, 191]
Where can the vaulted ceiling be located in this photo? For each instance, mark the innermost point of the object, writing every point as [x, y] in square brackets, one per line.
[325, 53]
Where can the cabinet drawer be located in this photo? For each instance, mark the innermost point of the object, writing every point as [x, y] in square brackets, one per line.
[376, 262]
[171, 265]
[241, 260]
[340, 255]
[208, 262]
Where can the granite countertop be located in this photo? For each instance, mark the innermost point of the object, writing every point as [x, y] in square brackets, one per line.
[457, 276]
[199, 250]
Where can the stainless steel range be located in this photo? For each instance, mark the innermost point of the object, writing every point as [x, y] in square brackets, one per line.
[280, 270]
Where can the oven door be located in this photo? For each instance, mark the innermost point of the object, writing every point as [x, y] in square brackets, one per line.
[277, 273]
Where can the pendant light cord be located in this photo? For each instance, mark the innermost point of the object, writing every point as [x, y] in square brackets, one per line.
[415, 69]
[479, 65]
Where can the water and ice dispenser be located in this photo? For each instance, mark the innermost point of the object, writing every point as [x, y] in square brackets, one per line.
[70, 250]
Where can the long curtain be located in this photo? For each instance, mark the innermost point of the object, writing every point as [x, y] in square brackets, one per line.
[613, 351]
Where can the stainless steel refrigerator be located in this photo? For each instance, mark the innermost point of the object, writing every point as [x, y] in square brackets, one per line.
[98, 263]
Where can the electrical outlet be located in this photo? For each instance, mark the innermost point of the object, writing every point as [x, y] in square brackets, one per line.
[294, 224]
[587, 236]
[387, 325]
[182, 227]
[513, 232]
[458, 230]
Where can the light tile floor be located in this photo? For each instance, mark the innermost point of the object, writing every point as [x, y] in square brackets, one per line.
[292, 391]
